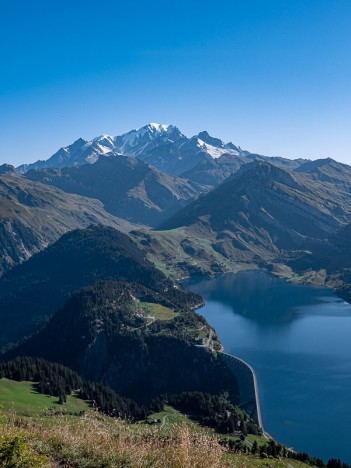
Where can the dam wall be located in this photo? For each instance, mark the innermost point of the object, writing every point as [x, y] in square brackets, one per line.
[247, 384]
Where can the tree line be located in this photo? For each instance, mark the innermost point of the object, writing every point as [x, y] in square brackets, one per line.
[56, 380]
[215, 411]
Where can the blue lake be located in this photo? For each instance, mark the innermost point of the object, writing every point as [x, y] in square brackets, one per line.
[298, 340]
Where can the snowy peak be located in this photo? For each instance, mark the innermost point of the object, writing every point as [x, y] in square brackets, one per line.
[212, 147]
[216, 147]
[231, 146]
[106, 141]
[140, 143]
[206, 137]
[144, 139]
[161, 127]
[154, 131]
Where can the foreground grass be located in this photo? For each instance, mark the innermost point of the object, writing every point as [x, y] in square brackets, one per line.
[35, 431]
[22, 398]
[94, 441]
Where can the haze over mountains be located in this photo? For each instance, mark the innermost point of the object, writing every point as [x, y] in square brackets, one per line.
[257, 208]
[33, 215]
[202, 159]
[164, 147]
[128, 187]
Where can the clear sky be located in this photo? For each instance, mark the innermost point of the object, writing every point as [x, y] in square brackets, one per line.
[273, 76]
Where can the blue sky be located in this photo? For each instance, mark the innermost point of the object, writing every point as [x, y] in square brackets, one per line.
[273, 76]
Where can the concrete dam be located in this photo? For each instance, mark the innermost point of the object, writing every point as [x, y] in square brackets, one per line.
[247, 383]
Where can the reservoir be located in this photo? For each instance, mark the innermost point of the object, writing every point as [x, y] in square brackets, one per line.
[298, 340]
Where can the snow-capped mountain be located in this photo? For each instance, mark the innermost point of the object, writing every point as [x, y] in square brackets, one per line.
[182, 155]
[144, 139]
[79, 152]
[163, 146]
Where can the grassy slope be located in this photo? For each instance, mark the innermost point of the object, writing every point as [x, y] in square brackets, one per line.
[90, 439]
[33, 215]
[266, 216]
[25, 401]
[158, 311]
[95, 440]
[181, 251]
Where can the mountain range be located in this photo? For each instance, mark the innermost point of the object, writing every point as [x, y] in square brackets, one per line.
[217, 203]
[164, 147]
[259, 216]
[127, 187]
[141, 143]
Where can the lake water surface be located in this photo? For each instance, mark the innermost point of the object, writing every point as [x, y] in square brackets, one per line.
[298, 340]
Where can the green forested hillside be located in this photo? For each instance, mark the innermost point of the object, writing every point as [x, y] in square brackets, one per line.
[104, 333]
[31, 292]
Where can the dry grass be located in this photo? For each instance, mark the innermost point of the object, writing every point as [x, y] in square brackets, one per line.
[96, 441]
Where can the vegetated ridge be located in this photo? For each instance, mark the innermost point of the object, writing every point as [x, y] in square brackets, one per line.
[107, 336]
[32, 291]
[262, 215]
[33, 215]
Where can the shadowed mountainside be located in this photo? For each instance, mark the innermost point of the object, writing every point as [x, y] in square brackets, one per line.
[107, 336]
[127, 187]
[33, 215]
[32, 291]
[259, 215]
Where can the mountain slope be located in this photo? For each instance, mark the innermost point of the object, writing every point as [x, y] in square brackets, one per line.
[333, 256]
[127, 187]
[212, 172]
[33, 215]
[107, 336]
[263, 194]
[260, 214]
[79, 152]
[328, 170]
[182, 155]
[32, 291]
